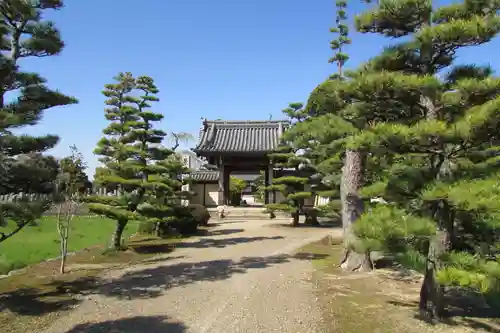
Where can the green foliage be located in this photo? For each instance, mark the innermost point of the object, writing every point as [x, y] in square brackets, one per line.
[100, 175]
[259, 184]
[388, 228]
[72, 178]
[200, 214]
[343, 39]
[471, 270]
[236, 185]
[184, 220]
[295, 168]
[23, 167]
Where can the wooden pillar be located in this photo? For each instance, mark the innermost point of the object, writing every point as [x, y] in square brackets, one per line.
[274, 191]
[204, 194]
[221, 185]
[266, 184]
[226, 193]
[270, 194]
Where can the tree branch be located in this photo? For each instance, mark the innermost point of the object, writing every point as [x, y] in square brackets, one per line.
[4, 236]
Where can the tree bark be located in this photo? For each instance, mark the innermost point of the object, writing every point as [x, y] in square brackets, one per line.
[295, 218]
[311, 218]
[157, 231]
[432, 302]
[117, 235]
[352, 208]
[64, 252]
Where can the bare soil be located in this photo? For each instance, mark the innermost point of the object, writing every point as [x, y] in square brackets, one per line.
[384, 301]
[37, 295]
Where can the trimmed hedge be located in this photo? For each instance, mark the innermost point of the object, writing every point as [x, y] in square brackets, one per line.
[185, 221]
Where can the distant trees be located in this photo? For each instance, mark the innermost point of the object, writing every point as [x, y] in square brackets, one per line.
[236, 186]
[72, 172]
[99, 177]
[23, 168]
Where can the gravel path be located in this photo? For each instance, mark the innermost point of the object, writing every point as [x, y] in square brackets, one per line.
[244, 277]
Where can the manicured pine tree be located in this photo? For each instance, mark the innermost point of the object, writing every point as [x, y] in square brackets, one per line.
[130, 150]
[23, 169]
[441, 147]
[162, 203]
[312, 138]
[342, 40]
[328, 158]
[342, 169]
[293, 187]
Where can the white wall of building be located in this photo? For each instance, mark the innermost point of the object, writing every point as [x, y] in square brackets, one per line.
[191, 161]
[206, 194]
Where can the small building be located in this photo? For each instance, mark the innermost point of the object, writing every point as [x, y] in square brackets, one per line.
[235, 148]
[240, 147]
[205, 186]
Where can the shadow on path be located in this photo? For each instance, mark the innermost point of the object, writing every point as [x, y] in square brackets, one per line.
[220, 243]
[141, 284]
[152, 282]
[326, 225]
[222, 232]
[463, 310]
[141, 324]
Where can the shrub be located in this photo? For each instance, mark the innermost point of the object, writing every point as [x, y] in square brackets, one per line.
[146, 228]
[199, 213]
[185, 220]
[311, 215]
[185, 225]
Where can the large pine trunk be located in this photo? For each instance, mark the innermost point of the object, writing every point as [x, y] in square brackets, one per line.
[352, 208]
[432, 303]
[117, 235]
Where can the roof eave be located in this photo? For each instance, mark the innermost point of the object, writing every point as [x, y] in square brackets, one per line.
[217, 152]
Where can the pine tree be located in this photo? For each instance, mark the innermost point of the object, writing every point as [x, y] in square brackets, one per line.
[331, 122]
[130, 150]
[294, 186]
[313, 136]
[343, 39]
[24, 169]
[440, 143]
[162, 204]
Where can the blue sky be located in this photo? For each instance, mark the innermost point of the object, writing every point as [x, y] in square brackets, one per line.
[224, 59]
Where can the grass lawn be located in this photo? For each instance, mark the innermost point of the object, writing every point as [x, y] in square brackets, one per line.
[34, 244]
[384, 301]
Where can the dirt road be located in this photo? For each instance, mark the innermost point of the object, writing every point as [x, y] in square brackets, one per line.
[242, 277]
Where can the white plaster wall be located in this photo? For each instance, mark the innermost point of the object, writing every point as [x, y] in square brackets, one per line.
[212, 195]
[198, 198]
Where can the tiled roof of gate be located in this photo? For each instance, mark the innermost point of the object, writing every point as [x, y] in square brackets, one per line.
[250, 136]
[205, 176]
